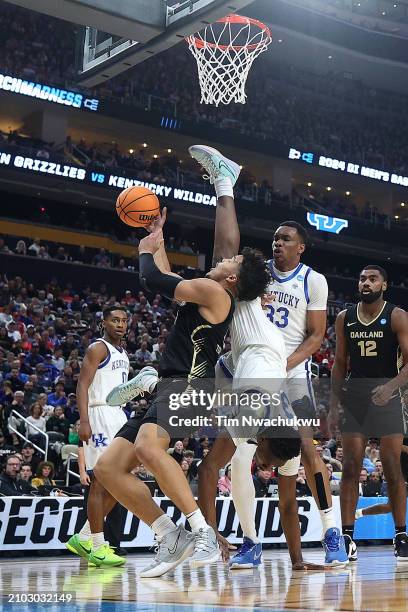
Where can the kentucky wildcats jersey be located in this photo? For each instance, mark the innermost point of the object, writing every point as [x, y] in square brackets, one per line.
[372, 347]
[111, 372]
[296, 292]
[249, 327]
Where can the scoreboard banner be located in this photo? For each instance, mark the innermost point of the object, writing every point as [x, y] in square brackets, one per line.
[114, 180]
[45, 523]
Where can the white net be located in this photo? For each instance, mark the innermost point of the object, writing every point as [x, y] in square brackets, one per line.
[225, 51]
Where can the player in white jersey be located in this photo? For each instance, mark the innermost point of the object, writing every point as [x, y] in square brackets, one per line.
[258, 360]
[299, 310]
[105, 366]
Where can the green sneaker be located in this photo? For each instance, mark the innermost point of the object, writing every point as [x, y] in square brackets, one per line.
[215, 163]
[105, 556]
[83, 548]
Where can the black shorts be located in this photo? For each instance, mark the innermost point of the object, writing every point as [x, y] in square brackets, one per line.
[363, 417]
[178, 422]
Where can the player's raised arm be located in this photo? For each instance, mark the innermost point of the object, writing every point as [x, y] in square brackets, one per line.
[383, 393]
[223, 173]
[94, 355]
[160, 256]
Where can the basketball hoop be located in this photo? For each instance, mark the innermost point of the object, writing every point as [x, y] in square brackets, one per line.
[225, 51]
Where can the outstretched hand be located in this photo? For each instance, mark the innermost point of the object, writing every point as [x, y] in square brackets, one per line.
[151, 243]
[225, 547]
[159, 222]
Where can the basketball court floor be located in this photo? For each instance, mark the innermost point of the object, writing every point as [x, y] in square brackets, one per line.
[375, 583]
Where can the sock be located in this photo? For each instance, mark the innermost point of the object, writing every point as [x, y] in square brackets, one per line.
[163, 525]
[85, 533]
[97, 540]
[359, 513]
[196, 521]
[243, 490]
[402, 529]
[223, 187]
[348, 530]
[328, 519]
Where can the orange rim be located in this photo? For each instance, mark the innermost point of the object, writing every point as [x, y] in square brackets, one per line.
[199, 43]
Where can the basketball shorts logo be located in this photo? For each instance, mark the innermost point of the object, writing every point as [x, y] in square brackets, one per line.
[99, 440]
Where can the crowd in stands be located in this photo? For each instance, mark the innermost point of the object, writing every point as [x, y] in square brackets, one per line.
[331, 114]
[44, 334]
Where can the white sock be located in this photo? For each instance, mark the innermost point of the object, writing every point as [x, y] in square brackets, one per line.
[328, 518]
[243, 490]
[151, 380]
[359, 514]
[85, 533]
[97, 540]
[196, 521]
[163, 525]
[223, 187]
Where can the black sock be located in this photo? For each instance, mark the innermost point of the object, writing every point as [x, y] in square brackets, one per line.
[402, 529]
[348, 530]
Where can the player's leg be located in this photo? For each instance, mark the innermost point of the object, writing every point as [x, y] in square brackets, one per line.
[373, 510]
[390, 452]
[113, 470]
[151, 447]
[243, 494]
[354, 445]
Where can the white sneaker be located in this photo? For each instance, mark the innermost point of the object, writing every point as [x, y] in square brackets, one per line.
[215, 163]
[171, 550]
[206, 548]
[142, 383]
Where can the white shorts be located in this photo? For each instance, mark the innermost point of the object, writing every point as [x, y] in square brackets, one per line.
[300, 390]
[290, 468]
[105, 422]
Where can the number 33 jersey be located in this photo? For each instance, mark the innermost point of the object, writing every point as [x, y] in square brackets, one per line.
[296, 292]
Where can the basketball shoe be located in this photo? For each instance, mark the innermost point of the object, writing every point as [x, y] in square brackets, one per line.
[143, 382]
[172, 549]
[401, 546]
[83, 548]
[206, 548]
[215, 163]
[335, 547]
[351, 548]
[248, 556]
[105, 556]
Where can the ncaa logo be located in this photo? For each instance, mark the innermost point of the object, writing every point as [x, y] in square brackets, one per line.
[383, 321]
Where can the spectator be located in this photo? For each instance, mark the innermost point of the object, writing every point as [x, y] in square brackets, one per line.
[10, 484]
[58, 423]
[29, 456]
[47, 409]
[34, 248]
[26, 473]
[73, 436]
[38, 420]
[224, 483]
[71, 409]
[58, 398]
[177, 452]
[142, 355]
[44, 475]
[204, 443]
[302, 488]
[5, 449]
[372, 487]
[262, 481]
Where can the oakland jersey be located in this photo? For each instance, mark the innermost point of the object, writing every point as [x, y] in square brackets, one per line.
[372, 347]
[111, 372]
[296, 292]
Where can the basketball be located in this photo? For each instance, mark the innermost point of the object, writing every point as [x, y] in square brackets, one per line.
[137, 206]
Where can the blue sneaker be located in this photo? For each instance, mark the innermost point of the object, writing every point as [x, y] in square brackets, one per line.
[335, 548]
[248, 556]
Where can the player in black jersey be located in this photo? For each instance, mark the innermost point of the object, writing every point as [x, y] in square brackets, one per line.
[192, 350]
[371, 346]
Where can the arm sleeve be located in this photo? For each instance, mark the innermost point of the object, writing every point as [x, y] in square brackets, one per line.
[153, 280]
[318, 291]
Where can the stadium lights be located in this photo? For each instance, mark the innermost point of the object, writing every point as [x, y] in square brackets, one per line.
[396, 216]
[131, 151]
[155, 156]
[403, 204]
[280, 40]
[328, 188]
[169, 150]
[309, 184]
[348, 193]
[241, 167]
[145, 145]
[330, 57]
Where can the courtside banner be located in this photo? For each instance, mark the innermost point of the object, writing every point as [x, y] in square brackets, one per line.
[45, 523]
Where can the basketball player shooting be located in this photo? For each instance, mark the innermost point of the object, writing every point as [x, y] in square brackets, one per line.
[191, 353]
[371, 345]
